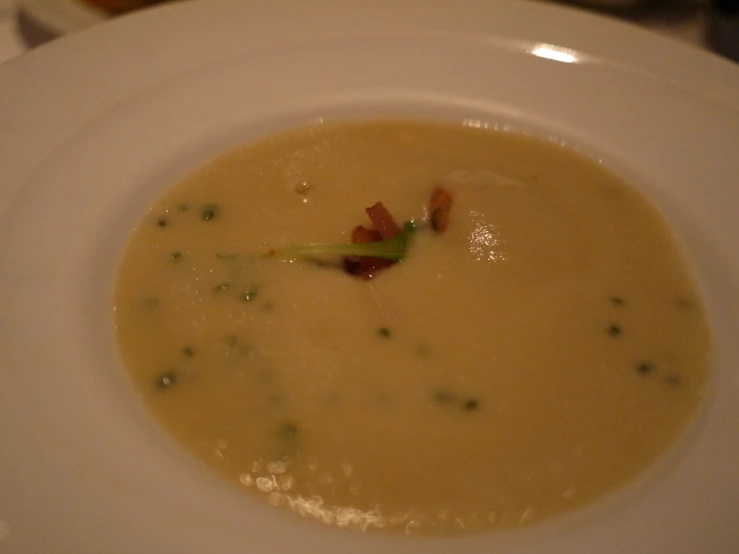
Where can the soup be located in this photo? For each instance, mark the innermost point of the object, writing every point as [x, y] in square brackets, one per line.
[534, 341]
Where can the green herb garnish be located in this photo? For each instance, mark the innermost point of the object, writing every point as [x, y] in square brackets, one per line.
[209, 212]
[223, 287]
[249, 294]
[471, 404]
[674, 380]
[166, 380]
[644, 368]
[443, 396]
[287, 430]
[394, 249]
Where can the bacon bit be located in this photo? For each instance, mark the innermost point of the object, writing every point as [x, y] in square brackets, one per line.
[365, 267]
[362, 235]
[383, 221]
[440, 205]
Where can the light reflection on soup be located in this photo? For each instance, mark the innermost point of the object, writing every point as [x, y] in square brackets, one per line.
[543, 350]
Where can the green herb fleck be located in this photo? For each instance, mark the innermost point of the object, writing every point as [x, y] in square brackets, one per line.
[176, 255]
[644, 368]
[287, 430]
[614, 330]
[618, 300]
[674, 380]
[249, 295]
[471, 404]
[394, 249]
[443, 397]
[384, 332]
[188, 352]
[210, 212]
[151, 302]
[223, 287]
[226, 256]
[167, 380]
[162, 222]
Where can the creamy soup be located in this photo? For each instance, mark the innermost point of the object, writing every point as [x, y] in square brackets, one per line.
[539, 351]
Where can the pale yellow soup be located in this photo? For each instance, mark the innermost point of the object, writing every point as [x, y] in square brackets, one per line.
[541, 352]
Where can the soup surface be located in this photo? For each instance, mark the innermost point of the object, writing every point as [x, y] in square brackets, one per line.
[539, 352]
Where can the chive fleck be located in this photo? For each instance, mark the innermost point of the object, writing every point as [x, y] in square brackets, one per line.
[288, 430]
[188, 352]
[249, 295]
[226, 256]
[166, 380]
[442, 396]
[209, 212]
[674, 380]
[423, 351]
[151, 302]
[384, 332]
[618, 300]
[223, 287]
[162, 222]
[614, 330]
[644, 368]
[471, 404]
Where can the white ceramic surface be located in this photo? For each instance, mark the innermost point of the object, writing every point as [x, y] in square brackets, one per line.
[92, 127]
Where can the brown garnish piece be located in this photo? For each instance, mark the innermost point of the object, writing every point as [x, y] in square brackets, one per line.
[365, 267]
[440, 206]
[361, 234]
[383, 221]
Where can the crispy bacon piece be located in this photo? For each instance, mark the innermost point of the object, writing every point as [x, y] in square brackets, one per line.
[365, 267]
[361, 234]
[383, 221]
[440, 205]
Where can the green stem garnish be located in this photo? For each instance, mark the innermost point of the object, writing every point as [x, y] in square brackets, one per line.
[393, 249]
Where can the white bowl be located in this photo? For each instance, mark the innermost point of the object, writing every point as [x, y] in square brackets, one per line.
[94, 127]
